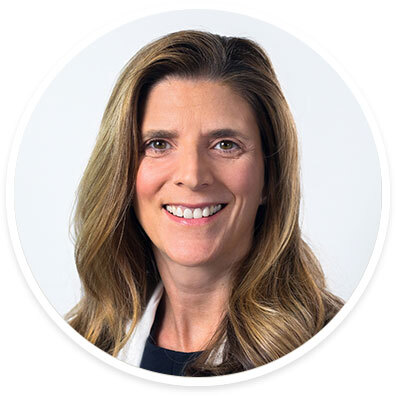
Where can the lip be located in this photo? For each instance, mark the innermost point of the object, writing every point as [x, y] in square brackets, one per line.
[194, 206]
[201, 221]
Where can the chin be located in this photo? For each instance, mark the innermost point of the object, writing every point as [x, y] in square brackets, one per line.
[191, 257]
[191, 261]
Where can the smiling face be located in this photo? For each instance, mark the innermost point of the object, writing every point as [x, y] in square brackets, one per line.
[201, 173]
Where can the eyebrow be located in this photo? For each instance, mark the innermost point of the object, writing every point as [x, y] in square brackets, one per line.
[214, 134]
[159, 134]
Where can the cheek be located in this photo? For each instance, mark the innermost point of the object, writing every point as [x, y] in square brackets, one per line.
[148, 182]
[246, 179]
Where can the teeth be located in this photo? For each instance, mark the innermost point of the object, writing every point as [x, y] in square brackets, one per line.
[188, 214]
[196, 213]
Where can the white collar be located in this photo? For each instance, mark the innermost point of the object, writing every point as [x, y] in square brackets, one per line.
[132, 352]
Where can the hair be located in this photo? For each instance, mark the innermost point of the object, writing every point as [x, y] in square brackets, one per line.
[278, 298]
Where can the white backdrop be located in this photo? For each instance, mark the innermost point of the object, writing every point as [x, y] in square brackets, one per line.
[296, 374]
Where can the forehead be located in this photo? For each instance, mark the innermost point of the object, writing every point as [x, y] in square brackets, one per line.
[175, 103]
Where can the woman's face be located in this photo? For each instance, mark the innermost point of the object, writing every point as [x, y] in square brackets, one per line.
[200, 178]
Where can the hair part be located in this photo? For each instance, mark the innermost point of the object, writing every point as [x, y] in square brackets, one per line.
[278, 298]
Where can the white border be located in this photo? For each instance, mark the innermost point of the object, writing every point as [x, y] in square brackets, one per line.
[207, 381]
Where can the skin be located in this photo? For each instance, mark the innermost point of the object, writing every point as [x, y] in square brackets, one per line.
[201, 145]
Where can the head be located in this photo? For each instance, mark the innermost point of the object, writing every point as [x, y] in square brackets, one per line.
[278, 289]
[239, 67]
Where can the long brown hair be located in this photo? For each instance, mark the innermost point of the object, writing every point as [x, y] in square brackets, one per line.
[278, 298]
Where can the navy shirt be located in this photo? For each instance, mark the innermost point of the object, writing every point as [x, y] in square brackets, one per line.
[163, 360]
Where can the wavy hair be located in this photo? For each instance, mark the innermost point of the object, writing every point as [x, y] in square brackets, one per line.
[278, 299]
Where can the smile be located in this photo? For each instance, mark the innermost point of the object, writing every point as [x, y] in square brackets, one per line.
[194, 213]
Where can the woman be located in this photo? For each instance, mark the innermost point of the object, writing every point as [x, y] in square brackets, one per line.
[188, 243]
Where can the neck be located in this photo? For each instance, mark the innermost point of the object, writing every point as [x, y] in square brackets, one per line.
[193, 305]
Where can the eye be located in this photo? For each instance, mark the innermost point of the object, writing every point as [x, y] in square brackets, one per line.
[158, 145]
[227, 145]
[155, 148]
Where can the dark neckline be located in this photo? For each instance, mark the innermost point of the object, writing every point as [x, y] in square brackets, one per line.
[153, 345]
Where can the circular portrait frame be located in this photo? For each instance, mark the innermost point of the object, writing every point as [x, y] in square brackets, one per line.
[62, 121]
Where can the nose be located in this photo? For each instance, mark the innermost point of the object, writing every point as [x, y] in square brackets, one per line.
[193, 170]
